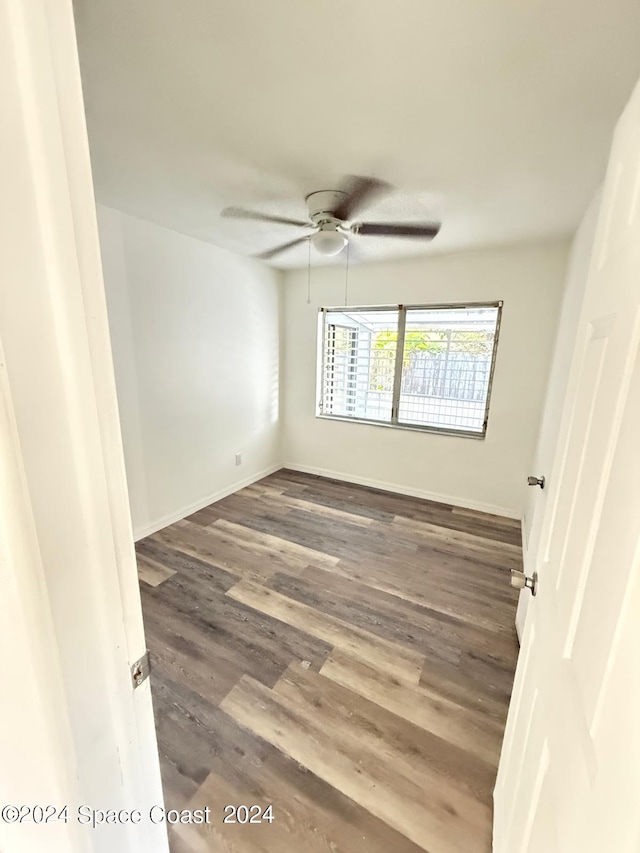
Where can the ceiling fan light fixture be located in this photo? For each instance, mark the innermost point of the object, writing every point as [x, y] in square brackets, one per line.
[332, 212]
[328, 241]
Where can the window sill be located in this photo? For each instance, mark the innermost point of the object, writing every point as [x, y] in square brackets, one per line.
[408, 427]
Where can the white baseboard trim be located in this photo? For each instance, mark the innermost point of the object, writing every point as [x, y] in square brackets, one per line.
[172, 517]
[405, 490]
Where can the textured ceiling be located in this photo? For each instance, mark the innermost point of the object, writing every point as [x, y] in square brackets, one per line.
[493, 116]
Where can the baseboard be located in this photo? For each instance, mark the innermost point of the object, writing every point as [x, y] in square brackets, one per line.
[171, 518]
[463, 503]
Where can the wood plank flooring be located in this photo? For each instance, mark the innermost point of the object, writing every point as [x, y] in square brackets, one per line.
[341, 653]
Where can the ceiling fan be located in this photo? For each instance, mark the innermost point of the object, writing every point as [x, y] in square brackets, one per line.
[331, 215]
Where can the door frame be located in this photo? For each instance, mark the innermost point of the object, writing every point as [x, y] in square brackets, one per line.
[68, 577]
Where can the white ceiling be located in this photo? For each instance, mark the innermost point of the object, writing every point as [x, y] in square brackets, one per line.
[493, 115]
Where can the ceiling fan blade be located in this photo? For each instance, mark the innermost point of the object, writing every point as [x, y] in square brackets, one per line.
[359, 192]
[241, 213]
[270, 253]
[424, 231]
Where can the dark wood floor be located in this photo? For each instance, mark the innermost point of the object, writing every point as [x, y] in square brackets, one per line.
[342, 653]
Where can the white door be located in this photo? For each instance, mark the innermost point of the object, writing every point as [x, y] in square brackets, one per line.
[569, 776]
[73, 731]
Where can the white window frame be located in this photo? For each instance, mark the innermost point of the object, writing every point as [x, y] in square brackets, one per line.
[394, 423]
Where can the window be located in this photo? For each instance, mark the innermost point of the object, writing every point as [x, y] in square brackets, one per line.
[413, 366]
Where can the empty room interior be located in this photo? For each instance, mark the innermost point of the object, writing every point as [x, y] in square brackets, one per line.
[367, 269]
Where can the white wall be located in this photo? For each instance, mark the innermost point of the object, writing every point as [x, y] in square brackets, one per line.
[574, 289]
[488, 474]
[196, 344]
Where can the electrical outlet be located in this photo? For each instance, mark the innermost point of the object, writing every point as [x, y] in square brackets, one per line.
[238, 458]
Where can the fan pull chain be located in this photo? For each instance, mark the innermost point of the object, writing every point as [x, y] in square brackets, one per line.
[309, 274]
[346, 278]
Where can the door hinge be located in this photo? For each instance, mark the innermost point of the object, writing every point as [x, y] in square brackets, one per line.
[140, 670]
